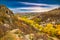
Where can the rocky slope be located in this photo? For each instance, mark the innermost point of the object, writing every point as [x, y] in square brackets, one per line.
[9, 21]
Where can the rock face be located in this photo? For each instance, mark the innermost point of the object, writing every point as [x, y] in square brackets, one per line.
[5, 12]
[5, 19]
[4, 9]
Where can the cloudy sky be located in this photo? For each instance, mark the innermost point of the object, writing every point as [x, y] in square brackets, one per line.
[18, 6]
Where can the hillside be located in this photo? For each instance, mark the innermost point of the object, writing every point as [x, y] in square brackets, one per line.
[9, 21]
[48, 17]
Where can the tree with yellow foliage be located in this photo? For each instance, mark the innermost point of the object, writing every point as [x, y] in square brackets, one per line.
[49, 29]
[58, 29]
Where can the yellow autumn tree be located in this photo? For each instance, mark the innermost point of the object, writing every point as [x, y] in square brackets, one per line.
[58, 29]
[49, 29]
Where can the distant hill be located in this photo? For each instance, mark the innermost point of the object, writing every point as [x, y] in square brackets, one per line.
[27, 15]
[50, 16]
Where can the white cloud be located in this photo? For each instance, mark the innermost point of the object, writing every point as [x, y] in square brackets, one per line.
[38, 4]
[27, 3]
[34, 9]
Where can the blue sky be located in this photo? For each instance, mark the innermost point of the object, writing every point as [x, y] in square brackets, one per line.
[18, 6]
